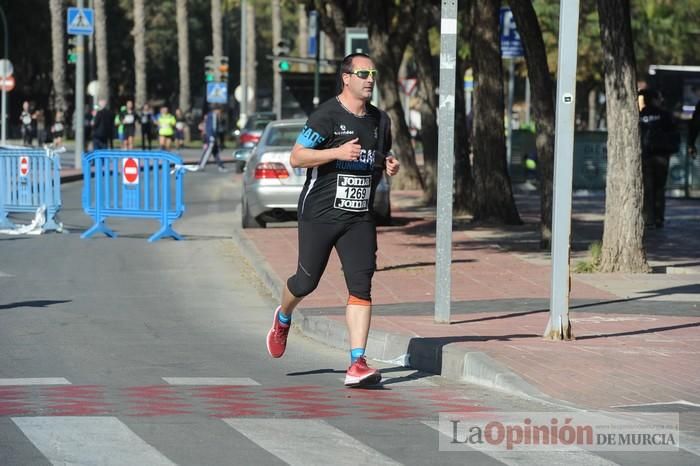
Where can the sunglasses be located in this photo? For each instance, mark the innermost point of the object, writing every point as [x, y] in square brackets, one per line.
[364, 74]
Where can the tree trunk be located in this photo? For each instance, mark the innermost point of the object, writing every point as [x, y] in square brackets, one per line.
[303, 42]
[183, 53]
[428, 104]
[592, 113]
[623, 248]
[493, 195]
[101, 48]
[140, 53]
[388, 41]
[464, 180]
[252, 61]
[542, 108]
[58, 54]
[216, 36]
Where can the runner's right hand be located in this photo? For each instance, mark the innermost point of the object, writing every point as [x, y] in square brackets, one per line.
[349, 151]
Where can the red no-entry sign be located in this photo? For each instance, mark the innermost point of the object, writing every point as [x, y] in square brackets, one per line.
[130, 170]
[24, 165]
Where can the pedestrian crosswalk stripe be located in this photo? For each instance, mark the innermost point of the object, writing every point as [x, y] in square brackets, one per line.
[308, 441]
[210, 381]
[88, 440]
[516, 458]
[34, 381]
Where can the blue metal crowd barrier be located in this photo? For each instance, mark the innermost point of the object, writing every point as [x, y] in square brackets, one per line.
[135, 184]
[29, 180]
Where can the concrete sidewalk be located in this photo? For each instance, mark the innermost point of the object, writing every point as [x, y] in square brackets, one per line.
[637, 334]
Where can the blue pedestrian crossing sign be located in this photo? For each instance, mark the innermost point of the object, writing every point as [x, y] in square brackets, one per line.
[81, 21]
[511, 45]
[217, 93]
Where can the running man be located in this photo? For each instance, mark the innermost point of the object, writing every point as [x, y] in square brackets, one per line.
[340, 146]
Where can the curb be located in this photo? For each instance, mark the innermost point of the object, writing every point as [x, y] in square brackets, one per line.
[453, 363]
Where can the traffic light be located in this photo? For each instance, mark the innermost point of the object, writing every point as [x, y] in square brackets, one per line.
[210, 70]
[282, 50]
[72, 55]
[223, 70]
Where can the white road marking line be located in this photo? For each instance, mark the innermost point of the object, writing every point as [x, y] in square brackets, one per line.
[88, 440]
[5, 275]
[517, 458]
[297, 441]
[210, 381]
[35, 381]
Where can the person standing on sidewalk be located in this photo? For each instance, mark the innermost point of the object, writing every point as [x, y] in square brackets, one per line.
[659, 139]
[102, 127]
[342, 144]
[694, 129]
[26, 120]
[146, 117]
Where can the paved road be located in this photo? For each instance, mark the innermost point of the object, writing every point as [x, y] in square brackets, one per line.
[117, 351]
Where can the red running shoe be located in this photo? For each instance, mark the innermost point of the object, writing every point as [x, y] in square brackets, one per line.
[360, 375]
[277, 337]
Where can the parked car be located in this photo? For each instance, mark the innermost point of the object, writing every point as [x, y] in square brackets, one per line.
[251, 132]
[240, 157]
[271, 187]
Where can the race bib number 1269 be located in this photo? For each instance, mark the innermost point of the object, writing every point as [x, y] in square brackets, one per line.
[352, 192]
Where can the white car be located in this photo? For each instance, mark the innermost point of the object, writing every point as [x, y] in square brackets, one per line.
[271, 187]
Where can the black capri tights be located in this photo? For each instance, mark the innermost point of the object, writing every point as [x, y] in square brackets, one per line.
[356, 244]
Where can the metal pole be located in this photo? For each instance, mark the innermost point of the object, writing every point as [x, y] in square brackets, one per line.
[509, 107]
[446, 123]
[243, 114]
[317, 69]
[6, 56]
[79, 97]
[559, 327]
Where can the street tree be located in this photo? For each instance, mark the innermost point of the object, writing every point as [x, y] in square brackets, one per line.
[101, 50]
[542, 108]
[463, 173]
[183, 53]
[216, 35]
[389, 35]
[623, 230]
[140, 72]
[58, 53]
[493, 195]
[428, 107]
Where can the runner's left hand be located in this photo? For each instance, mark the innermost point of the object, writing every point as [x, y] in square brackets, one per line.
[392, 165]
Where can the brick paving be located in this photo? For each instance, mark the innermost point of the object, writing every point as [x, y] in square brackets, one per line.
[617, 359]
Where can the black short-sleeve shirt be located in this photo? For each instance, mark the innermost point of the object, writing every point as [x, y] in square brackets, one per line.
[341, 191]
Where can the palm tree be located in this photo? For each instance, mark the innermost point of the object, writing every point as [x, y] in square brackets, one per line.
[139, 33]
[58, 53]
[183, 49]
[101, 47]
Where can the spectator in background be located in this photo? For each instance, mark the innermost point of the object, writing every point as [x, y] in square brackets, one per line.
[146, 119]
[179, 129]
[58, 129]
[128, 121]
[102, 126]
[26, 120]
[694, 128]
[40, 127]
[659, 139]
